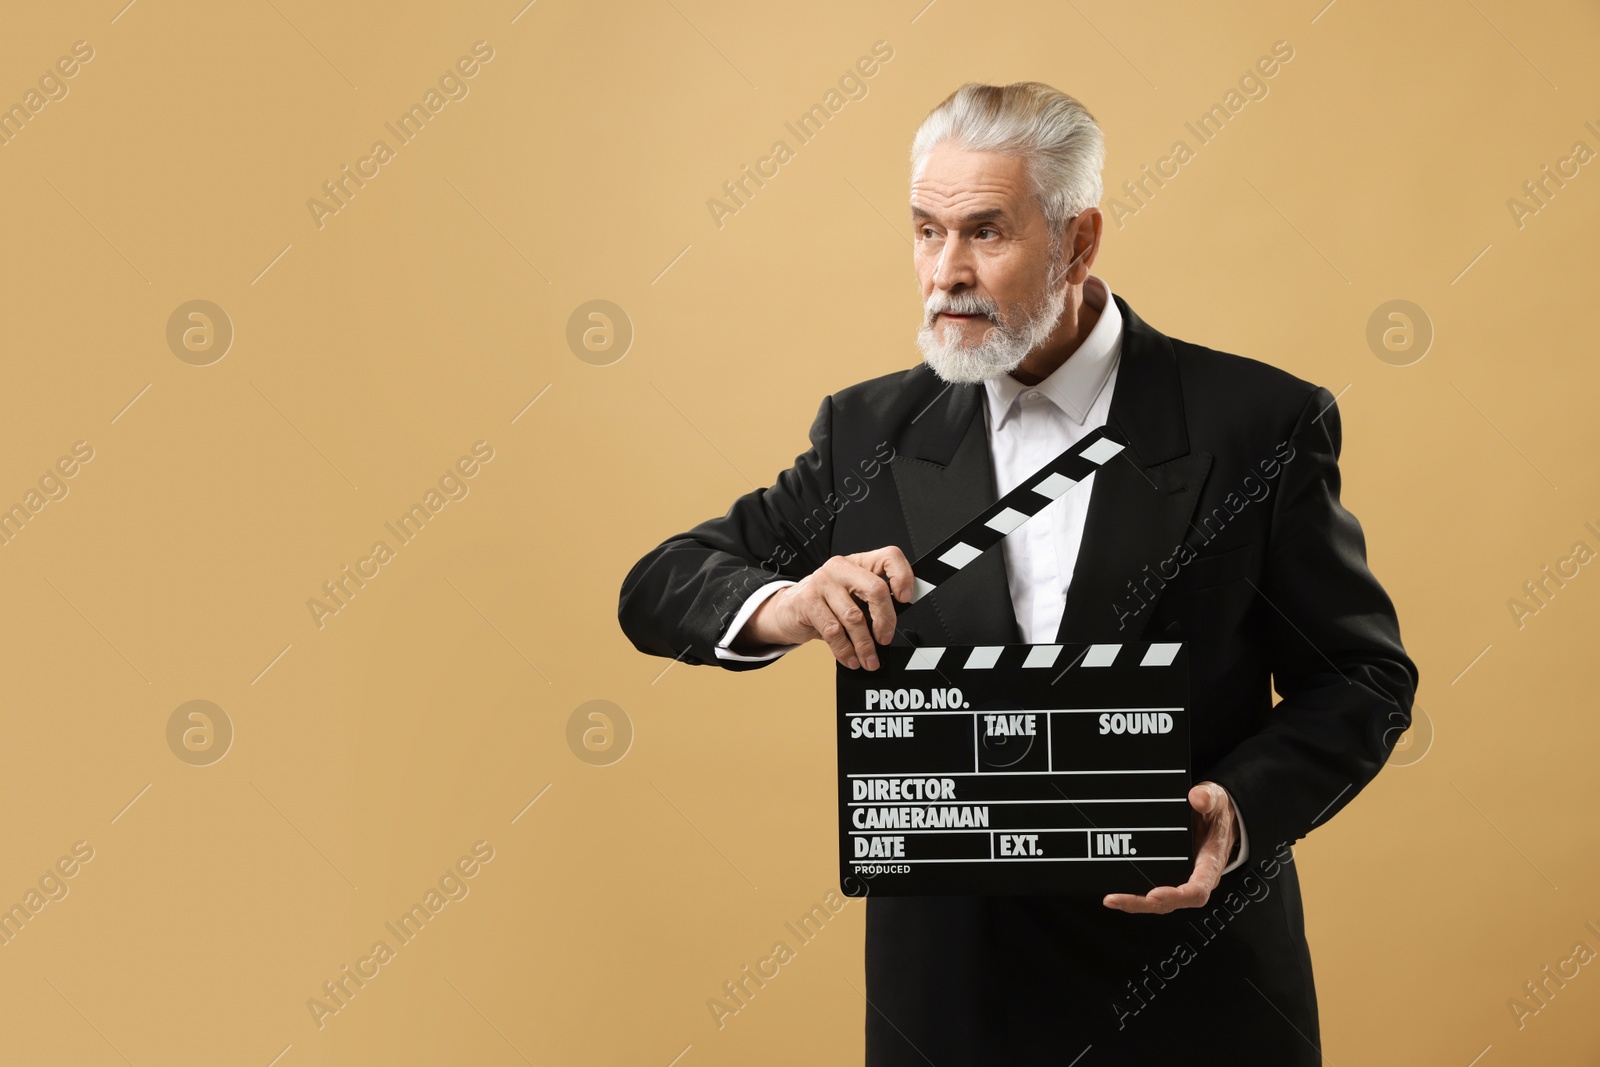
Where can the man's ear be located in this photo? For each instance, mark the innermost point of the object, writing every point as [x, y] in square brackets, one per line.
[1081, 243]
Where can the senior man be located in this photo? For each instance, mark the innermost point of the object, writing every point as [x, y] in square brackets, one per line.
[1220, 524]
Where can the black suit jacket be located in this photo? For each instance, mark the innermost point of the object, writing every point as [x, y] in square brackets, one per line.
[1221, 525]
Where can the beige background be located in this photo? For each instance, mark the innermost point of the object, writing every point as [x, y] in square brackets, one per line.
[372, 352]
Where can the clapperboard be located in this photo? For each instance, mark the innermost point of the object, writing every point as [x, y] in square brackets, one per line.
[1015, 769]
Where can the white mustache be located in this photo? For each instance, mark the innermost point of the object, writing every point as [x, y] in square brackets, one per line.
[969, 303]
[963, 304]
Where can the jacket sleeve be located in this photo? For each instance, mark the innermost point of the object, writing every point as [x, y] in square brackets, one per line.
[1346, 683]
[679, 599]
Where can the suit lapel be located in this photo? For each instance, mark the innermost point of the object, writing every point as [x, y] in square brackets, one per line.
[1139, 510]
[944, 477]
[1142, 501]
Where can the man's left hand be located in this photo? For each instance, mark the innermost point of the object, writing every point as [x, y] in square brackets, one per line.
[1216, 830]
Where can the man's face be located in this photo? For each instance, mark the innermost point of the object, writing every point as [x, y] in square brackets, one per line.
[984, 259]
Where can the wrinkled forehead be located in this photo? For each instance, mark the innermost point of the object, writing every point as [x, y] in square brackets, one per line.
[955, 185]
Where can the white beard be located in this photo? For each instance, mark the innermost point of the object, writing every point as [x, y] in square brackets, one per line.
[1003, 347]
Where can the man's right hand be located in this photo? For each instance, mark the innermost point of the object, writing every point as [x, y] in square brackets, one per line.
[820, 606]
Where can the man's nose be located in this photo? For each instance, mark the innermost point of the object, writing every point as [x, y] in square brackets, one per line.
[955, 267]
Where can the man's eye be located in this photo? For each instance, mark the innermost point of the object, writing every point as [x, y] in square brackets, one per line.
[926, 233]
[987, 229]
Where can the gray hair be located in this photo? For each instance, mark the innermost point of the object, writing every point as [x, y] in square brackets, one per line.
[1054, 133]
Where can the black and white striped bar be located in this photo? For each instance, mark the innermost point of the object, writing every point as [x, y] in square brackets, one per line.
[1036, 657]
[1015, 769]
[1012, 510]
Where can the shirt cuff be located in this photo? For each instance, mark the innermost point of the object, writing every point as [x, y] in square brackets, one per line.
[755, 601]
[1244, 841]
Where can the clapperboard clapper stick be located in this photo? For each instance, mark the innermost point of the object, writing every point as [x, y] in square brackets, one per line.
[989, 528]
[1014, 769]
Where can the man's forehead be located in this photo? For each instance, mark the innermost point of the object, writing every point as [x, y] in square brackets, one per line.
[967, 184]
[985, 201]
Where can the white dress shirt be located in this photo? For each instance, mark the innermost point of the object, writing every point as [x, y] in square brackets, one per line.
[1028, 426]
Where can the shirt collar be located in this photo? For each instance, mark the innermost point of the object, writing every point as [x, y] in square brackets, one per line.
[1076, 384]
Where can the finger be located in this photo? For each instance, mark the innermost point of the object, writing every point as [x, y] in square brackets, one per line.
[1216, 833]
[882, 562]
[819, 615]
[1207, 868]
[854, 619]
[857, 579]
[1191, 894]
[1206, 798]
[1160, 900]
[1134, 903]
[878, 596]
[897, 569]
